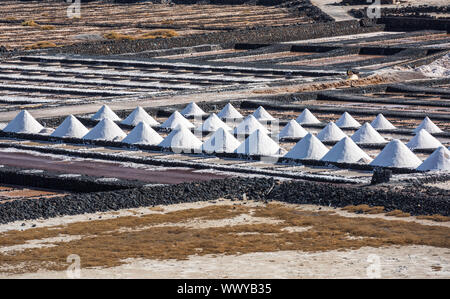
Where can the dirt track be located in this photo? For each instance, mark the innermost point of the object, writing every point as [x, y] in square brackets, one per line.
[101, 169]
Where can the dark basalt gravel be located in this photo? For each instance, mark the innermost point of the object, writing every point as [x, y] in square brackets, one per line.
[417, 200]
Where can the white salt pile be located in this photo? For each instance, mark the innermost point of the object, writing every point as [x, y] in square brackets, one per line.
[308, 148]
[438, 68]
[212, 123]
[105, 112]
[70, 127]
[175, 120]
[438, 160]
[221, 141]
[396, 154]
[423, 140]
[106, 129]
[306, 117]
[249, 125]
[262, 115]
[346, 151]
[229, 112]
[428, 126]
[181, 138]
[23, 123]
[292, 130]
[367, 135]
[381, 123]
[143, 134]
[192, 109]
[259, 143]
[347, 121]
[331, 132]
[138, 115]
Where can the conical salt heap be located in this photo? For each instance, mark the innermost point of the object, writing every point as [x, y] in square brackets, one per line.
[331, 132]
[105, 112]
[212, 124]
[221, 141]
[262, 115]
[70, 127]
[423, 140]
[229, 112]
[428, 126]
[259, 143]
[308, 148]
[249, 125]
[292, 130]
[106, 129]
[175, 120]
[192, 109]
[346, 151]
[307, 118]
[396, 154]
[381, 123]
[181, 138]
[138, 115]
[143, 134]
[347, 121]
[438, 160]
[367, 135]
[23, 123]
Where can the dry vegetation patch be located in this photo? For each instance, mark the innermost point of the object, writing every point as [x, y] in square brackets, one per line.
[107, 243]
[40, 45]
[162, 33]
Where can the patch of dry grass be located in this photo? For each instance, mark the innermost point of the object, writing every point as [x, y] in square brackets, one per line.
[364, 209]
[107, 244]
[40, 45]
[377, 79]
[47, 27]
[398, 213]
[30, 23]
[162, 33]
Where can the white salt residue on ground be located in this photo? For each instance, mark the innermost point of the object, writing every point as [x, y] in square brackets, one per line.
[438, 68]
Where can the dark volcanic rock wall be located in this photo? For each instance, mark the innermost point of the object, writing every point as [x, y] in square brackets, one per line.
[414, 199]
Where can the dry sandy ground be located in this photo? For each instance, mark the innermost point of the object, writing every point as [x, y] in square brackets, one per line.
[385, 262]
[394, 262]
